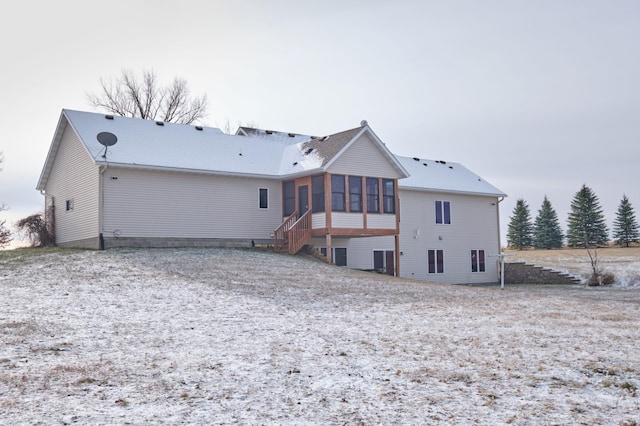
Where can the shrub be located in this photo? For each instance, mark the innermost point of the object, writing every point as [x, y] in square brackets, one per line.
[37, 230]
[5, 234]
[606, 278]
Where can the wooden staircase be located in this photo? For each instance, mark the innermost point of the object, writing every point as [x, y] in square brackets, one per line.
[293, 234]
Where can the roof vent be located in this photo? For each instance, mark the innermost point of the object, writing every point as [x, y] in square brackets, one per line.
[364, 123]
[324, 138]
[451, 167]
[160, 123]
[309, 151]
[199, 128]
[425, 164]
[269, 132]
[295, 164]
[416, 158]
[291, 135]
[109, 117]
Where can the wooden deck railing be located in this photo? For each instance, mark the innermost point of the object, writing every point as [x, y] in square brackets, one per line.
[300, 233]
[281, 235]
[293, 234]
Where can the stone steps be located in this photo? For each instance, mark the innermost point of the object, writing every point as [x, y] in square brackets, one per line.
[524, 273]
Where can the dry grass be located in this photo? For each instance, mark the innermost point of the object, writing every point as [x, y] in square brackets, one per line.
[620, 266]
[604, 253]
[186, 336]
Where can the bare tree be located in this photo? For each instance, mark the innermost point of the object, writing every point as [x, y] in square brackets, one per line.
[36, 229]
[5, 234]
[147, 98]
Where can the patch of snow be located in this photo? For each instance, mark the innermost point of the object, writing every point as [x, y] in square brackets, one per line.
[294, 160]
[241, 336]
[444, 176]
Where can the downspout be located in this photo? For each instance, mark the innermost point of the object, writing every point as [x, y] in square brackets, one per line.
[500, 199]
[103, 169]
[397, 236]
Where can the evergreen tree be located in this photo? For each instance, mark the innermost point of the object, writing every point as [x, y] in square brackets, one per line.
[625, 227]
[547, 233]
[586, 224]
[519, 235]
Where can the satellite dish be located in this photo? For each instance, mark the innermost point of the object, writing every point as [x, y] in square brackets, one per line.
[107, 138]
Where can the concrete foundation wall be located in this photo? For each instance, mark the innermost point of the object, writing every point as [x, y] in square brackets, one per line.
[110, 242]
[89, 243]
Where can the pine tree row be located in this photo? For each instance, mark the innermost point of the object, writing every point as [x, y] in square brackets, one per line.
[586, 225]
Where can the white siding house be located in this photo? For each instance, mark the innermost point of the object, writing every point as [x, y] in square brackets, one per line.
[148, 207]
[463, 239]
[111, 181]
[73, 190]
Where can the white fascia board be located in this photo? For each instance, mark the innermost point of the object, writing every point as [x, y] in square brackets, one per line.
[184, 170]
[449, 191]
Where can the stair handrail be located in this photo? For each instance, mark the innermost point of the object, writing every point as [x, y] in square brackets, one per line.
[280, 236]
[300, 232]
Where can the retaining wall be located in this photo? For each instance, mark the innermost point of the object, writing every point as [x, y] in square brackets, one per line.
[523, 273]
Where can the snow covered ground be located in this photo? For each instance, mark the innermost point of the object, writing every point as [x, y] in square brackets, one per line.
[224, 336]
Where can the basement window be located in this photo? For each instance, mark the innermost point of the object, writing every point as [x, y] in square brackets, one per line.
[477, 261]
[69, 205]
[339, 255]
[435, 259]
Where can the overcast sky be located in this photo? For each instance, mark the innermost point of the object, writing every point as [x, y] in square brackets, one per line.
[537, 97]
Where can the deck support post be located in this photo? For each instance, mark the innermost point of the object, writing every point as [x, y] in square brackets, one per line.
[397, 242]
